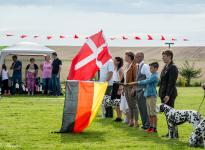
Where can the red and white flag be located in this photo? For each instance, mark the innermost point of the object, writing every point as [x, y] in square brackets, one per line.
[92, 55]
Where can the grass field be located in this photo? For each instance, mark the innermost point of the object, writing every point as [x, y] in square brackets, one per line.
[27, 123]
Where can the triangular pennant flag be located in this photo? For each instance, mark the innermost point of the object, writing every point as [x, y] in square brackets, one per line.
[75, 36]
[185, 40]
[62, 37]
[9, 35]
[137, 38]
[124, 38]
[162, 38]
[23, 36]
[173, 39]
[49, 37]
[149, 37]
[35, 36]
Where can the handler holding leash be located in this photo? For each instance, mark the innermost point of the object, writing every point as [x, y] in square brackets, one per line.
[168, 78]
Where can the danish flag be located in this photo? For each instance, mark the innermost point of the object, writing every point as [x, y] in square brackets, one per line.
[92, 55]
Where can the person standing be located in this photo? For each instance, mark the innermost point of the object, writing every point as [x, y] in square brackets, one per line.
[117, 78]
[46, 68]
[56, 69]
[5, 80]
[130, 76]
[17, 74]
[142, 74]
[106, 75]
[31, 74]
[150, 93]
[168, 78]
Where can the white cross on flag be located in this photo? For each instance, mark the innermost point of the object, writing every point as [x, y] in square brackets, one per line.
[92, 55]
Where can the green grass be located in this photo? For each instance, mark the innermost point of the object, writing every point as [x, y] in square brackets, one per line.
[27, 123]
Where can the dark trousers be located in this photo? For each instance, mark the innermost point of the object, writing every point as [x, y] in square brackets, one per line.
[141, 101]
[46, 85]
[5, 86]
[109, 109]
[56, 87]
[15, 80]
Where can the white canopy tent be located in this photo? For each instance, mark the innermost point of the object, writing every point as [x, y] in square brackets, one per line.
[23, 49]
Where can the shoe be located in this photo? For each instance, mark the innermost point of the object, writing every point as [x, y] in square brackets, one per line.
[149, 129]
[118, 120]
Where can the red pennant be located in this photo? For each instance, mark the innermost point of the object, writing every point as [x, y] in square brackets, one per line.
[49, 37]
[173, 39]
[23, 36]
[75, 36]
[124, 38]
[149, 37]
[162, 38]
[62, 37]
[137, 38]
[35, 36]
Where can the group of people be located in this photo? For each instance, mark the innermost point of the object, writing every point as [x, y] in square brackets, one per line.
[135, 84]
[50, 76]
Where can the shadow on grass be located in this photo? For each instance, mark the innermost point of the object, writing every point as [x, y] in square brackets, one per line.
[144, 136]
[85, 137]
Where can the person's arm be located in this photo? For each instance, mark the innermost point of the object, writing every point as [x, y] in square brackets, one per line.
[110, 70]
[109, 76]
[152, 79]
[59, 70]
[36, 70]
[121, 74]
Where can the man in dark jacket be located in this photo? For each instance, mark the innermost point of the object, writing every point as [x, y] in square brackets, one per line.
[168, 78]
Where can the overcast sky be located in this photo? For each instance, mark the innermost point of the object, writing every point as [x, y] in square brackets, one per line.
[179, 18]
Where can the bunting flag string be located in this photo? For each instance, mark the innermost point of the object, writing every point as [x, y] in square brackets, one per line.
[148, 37]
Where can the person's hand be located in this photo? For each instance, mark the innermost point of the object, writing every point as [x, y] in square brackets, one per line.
[166, 99]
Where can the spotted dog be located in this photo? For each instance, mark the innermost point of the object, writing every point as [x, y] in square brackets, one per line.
[176, 117]
[197, 137]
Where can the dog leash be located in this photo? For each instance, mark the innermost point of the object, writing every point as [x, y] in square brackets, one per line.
[201, 102]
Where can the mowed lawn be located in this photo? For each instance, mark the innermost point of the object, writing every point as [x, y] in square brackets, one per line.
[27, 123]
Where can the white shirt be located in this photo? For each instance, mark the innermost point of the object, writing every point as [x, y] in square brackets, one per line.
[4, 74]
[107, 67]
[115, 76]
[145, 70]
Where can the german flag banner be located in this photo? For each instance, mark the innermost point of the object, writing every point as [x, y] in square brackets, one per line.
[82, 102]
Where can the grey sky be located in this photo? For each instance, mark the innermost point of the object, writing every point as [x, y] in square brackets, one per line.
[182, 18]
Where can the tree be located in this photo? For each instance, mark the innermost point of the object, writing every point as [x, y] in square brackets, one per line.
[188, 71]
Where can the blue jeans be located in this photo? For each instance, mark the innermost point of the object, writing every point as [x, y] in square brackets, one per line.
[17, 79]
[46, 85]
[56, 87]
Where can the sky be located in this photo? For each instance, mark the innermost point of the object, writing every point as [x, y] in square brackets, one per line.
[171, 18]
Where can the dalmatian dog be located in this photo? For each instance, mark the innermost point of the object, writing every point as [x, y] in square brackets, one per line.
[176, 117]
[197, 137]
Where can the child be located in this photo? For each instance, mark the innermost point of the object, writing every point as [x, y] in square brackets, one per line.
[5, 80]
[123, 104]
[151, 96]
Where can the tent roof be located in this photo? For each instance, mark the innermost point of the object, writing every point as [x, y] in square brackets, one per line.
[27, 47]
